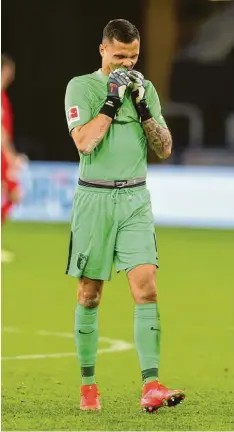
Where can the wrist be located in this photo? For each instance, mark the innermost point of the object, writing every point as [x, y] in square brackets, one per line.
[143, 110]
[111, 106]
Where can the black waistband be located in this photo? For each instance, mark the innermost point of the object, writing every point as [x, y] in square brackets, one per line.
[117, 184]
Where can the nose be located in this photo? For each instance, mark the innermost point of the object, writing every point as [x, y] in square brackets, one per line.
[127, 64]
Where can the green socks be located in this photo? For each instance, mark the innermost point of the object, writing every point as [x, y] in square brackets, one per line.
[86, 338]
[146, 334]
[147, 339]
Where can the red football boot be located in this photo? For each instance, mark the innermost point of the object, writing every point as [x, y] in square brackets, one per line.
[89, 398]
[156, 395]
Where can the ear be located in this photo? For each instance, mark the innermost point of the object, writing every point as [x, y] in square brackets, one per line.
[101, 49]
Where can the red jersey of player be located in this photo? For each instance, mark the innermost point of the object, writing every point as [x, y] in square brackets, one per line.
[9, 156]
[7, 138]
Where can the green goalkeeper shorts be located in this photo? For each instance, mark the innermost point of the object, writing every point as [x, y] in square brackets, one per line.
[110, 226]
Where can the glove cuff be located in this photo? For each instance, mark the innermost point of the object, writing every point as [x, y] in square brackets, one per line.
[143, 110]
[111, 106]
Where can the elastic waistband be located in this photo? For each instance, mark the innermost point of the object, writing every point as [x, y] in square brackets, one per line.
[117, 184]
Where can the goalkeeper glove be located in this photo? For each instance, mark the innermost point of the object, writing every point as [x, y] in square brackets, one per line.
[138, 95]
[116, 86]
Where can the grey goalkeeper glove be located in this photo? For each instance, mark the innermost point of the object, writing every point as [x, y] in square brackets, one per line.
[117, 84]
[138, 95]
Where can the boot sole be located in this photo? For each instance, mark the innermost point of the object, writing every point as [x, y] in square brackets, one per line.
[170, 402]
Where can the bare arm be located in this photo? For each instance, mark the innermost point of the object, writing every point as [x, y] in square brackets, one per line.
[88, 136]
[159, 138]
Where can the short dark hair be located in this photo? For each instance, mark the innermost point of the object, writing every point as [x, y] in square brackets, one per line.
[6, 60]
[121, 30]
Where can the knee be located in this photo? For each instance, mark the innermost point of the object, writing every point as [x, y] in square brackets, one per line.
[143, 285]
[89, 301]
[89, 292]
[147, 294]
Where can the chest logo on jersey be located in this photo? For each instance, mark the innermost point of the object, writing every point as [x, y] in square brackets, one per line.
[73, 114]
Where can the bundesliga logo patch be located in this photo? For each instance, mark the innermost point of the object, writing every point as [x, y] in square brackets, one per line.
[73, 114]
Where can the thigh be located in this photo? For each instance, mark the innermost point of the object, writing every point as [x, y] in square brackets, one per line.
[92, 237]
[136, 239]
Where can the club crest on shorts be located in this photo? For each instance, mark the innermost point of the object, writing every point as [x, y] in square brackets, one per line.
[81, 261]
[73, 114]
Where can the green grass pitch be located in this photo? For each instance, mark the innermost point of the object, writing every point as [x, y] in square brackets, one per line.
[196, 295]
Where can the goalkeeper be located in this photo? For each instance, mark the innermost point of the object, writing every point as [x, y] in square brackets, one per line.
[112, 115]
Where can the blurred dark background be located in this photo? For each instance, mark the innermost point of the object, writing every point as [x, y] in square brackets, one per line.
[187, 51]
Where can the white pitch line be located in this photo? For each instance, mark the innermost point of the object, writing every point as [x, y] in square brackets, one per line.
[56, 334]
[10, 330]
[39, 356]
[115, 346]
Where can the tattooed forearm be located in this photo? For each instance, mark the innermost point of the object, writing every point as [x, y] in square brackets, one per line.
[159, 138]
[91, 134]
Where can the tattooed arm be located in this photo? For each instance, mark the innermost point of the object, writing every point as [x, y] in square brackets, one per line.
[88, 136]
[159, 138]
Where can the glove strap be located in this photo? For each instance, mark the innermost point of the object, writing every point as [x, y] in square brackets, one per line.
[111, 106]
[143, 110]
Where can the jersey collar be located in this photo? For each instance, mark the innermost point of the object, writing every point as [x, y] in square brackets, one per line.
[102, 76]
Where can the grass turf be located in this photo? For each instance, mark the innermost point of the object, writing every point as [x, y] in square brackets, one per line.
[196, 303]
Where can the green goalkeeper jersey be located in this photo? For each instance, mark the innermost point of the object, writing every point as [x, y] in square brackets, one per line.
[122, 153]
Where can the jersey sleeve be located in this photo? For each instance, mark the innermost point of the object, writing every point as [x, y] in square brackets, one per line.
[77, 103]
[154, 104]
